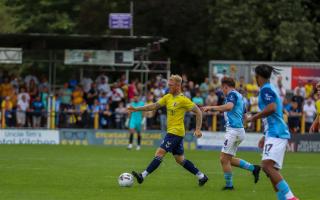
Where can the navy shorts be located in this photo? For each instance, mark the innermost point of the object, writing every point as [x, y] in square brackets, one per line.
[173, 143]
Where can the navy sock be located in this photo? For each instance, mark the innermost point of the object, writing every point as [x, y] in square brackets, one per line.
[139, 139]
[188, 165]
[154, 164]
[130, 138]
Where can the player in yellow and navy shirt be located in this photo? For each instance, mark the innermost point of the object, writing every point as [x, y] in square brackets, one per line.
[177, 105]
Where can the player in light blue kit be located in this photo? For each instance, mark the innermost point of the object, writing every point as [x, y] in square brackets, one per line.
[234, 110]
[276, 132]
[135, 122]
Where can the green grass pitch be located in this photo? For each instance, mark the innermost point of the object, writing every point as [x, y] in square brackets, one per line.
[40, 172]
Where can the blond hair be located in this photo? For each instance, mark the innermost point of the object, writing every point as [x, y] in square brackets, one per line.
[176, 78]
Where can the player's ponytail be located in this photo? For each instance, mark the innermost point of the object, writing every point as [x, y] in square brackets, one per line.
[266, 71]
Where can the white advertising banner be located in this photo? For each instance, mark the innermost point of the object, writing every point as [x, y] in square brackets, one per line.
[23, 136]
[11, 55]
[215, 140]
[98, 57]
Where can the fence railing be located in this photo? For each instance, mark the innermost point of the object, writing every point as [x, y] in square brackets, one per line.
[87, 119]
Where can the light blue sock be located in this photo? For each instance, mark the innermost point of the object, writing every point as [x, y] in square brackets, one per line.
[283, 187]
[281, 196]
[228, 178]
[246, 165]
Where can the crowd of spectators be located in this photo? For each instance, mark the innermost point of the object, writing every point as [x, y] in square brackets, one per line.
[25, 101]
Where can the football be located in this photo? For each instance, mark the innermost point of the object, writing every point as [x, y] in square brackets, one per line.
[125, 180]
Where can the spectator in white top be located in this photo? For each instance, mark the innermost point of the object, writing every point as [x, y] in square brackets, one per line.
[309, 110]
[101, 77]
[23, 92]
[22, 108]
[300, 90]
[103, 86]
[159, 91]
[281, 89]
[86, 83]
[29, 77]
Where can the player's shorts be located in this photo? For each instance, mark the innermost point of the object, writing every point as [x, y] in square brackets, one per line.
[274, 149]
[135, 125]
[233, 138]
[173, 143]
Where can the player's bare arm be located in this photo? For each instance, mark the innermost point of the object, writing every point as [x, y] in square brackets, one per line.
[223, 108]
[268, 110]
[198, 113]
[149, 107]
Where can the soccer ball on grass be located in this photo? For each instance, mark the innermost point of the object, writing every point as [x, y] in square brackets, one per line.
[125, 180]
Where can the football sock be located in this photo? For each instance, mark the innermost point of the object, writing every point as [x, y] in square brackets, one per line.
[281, 196]
[188, 165]
[154, 164]
[200, 175]
[228, 178]
[144, 173]
[246, 165]
[284, 188]
[130, 138]
[139, 139]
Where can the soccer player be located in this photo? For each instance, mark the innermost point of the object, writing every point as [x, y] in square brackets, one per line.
[234, 110]
[135, 122]
[315, 125]
[177, 105]
[276, 133]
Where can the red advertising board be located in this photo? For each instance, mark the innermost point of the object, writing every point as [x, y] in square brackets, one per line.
[304, 75]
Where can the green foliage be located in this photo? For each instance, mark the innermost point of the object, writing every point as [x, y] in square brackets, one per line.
[6, 19]
[198, 31]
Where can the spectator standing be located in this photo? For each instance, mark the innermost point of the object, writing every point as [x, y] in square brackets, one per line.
[120, 114]
[7, 108]
[300, 90]
[309, 110]
[204, 88]
[37, 112]
[22, 108]
[309, 88]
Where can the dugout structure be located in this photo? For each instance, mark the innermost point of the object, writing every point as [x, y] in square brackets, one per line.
[51, 49]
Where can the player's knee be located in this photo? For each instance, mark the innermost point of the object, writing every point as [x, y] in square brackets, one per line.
[160, 153]
[266, 167]
[224, 160]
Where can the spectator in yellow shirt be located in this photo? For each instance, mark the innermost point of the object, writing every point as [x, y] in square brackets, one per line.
[6, 107]
[77, 96]
[252, 88]
[309, 88]
[315, 125]
[6, 88]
